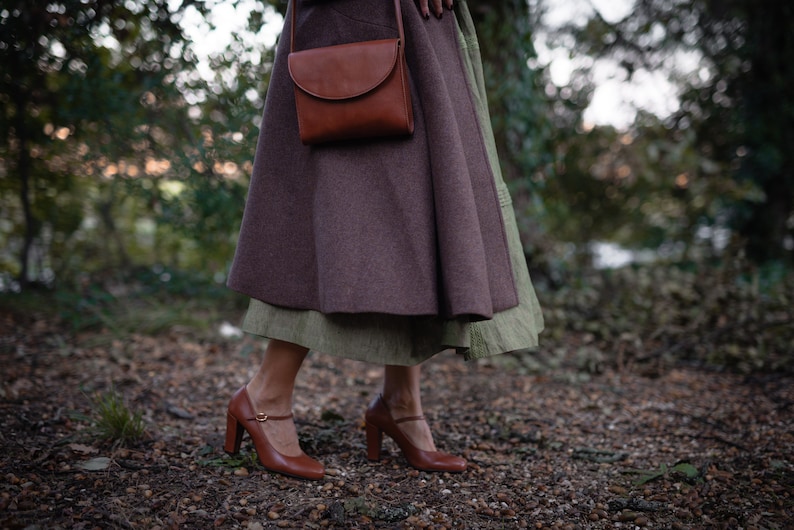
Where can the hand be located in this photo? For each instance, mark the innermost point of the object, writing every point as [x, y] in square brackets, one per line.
[437, 6]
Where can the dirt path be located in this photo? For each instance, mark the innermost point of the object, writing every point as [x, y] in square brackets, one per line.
[688, 449]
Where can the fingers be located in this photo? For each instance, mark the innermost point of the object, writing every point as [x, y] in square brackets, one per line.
[434, 6]
[423, 8]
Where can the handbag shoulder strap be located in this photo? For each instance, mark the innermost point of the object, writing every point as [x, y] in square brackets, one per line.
[397, 12]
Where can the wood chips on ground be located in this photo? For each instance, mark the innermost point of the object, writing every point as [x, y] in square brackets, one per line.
[563, 449]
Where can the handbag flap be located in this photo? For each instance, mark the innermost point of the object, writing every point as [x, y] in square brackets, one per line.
[344, 71]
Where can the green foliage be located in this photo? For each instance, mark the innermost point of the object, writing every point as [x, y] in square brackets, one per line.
[118, 153]
[525, 128]
[736, 115]
[114, 421]
[732, 314]
[520, 108]
[86, 310]
[218, 159]
[147, 302]
[682, 469]
[242, 459]
[647, 188]
[81, 82]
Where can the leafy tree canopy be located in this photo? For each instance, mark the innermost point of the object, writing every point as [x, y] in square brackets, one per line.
[115, 152]
[733, 130]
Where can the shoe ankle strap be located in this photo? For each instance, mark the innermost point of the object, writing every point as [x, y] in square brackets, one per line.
[261, 417]
[409, 418]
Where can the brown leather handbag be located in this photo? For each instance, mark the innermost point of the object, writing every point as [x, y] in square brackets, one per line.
[352, 91]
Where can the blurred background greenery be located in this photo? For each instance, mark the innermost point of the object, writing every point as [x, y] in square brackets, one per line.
[125, 153]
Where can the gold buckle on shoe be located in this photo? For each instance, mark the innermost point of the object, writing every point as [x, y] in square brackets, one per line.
[261, 417]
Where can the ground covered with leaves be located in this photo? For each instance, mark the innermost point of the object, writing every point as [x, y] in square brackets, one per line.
[578, 443]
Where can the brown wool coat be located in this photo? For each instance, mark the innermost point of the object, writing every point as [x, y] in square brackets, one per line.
[406, 226]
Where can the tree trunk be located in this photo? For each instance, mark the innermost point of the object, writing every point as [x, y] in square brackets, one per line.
[24, 172]
[768, 120]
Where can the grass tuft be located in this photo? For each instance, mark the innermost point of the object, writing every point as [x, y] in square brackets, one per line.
[114, 421]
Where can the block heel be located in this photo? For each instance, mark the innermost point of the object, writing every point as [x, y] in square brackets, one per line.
[374, 442]
[234, 435]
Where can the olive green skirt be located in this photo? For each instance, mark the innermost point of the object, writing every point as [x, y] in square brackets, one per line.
[409, 340]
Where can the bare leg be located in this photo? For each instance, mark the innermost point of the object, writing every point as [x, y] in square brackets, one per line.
[271, 392]
[402, 394]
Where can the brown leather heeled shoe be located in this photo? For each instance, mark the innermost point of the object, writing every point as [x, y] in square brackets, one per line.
[379, 420]
[241, 416]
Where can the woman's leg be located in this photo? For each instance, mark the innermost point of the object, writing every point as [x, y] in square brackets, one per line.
[402, 394]
[271, 392]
